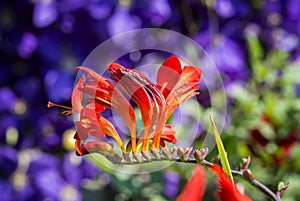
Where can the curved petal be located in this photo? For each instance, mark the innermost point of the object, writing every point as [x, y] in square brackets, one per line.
[92, 123]
[227, 191]
[107, 95]
[168, 75]
[184, 89]
[101, 124]
[94, 77]
[77, 95]
[92, 147]
[88, 124]
[141, 90]
[129, 81]
[168, 134]
[195, 188]
[110, 130]
[133, 84]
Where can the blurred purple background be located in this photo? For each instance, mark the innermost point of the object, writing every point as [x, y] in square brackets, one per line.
[42, 41]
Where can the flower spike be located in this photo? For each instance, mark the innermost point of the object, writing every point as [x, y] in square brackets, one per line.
[93, 94]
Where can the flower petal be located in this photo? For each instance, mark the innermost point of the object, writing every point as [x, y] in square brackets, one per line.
[94, 147]
[168, 75]
[141, 90]
[133, 83]
[184, 89]
[77, 95]
[92, 75]
[195, 188]
[227, 191]
[110, 130]
[92, 123]
[107, 95]
[88, 124]
[130, 82]
[168, 134]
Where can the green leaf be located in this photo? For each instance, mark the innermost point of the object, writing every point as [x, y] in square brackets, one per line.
[255, 49]
[221, 149]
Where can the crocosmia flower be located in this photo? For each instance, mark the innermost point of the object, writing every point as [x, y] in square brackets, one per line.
[93, 94]
[195, 188]
[227, 190]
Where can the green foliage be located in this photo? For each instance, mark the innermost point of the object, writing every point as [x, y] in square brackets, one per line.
[221, 149]
[269, 127]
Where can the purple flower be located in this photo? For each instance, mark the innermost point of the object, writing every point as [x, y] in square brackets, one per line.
[65, 183]
[6, 191]
[284, 40]
[122, 21]
[44, 13]
[58, 85]
[14, 183]
[8, 160]
[293, 9]
[171, 183]
[32, 175]
[224, 8]
[159, 12]
[99, 11]
[51, 185]
[27, 45]
[8, 99]
[229, 59]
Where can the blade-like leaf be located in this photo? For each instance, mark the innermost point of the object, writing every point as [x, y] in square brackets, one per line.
[221, 150]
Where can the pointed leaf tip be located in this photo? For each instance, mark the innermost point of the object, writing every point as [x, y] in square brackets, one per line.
[221, 150]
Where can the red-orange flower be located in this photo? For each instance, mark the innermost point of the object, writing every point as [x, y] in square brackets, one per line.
[176, 84]
[194, 189]
[227, 190]
[105, 94]
[156, 102]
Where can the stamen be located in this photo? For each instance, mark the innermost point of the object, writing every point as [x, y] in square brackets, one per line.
[50, 104]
